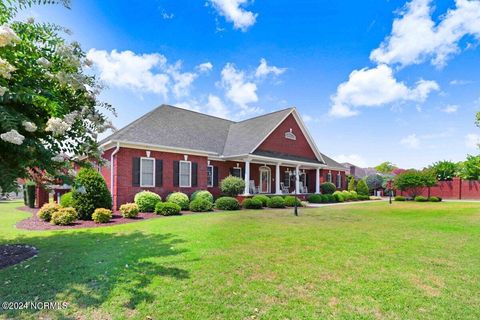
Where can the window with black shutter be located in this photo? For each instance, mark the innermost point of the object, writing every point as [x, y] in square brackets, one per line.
[215, 176]
[176, 167]
[158, 173]
[194, 181]
[136, 172]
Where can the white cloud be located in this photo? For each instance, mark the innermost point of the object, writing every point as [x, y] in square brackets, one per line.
[451, 108]
[205, 67]
[239, 90]
[213, 106]
[411, 141]
[129, 70]
[355, 159]
[264, 69]
[182, 80]
[233, 12]
[375, 87]
[460, 82]
[416, 38]
[472, 141]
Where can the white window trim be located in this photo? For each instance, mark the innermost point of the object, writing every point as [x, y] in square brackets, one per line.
[339, 180]
[304, 182]
[141, 172]
[267, 169]
[329, 177]
[239, 168]
[289, 177]
[210, 184]
[180, 174]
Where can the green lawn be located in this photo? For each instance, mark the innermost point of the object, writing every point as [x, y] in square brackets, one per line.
[360, 261]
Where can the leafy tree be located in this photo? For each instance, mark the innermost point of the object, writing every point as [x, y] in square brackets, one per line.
[49, 113]
[374, 181]
[386, 167]
[362, 188]
[351, 184]
[413, 181]
[470, 168]
[444, 170]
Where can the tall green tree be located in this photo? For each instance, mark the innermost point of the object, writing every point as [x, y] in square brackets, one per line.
[362, 188]
[49, 111]
[413, 181]
[386, 167]
[444, 170]
[470, 168]
[351, 184]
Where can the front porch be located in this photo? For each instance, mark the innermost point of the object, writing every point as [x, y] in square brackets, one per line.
[273, 176]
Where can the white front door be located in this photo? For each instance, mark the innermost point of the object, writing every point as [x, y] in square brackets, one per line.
[265, 180]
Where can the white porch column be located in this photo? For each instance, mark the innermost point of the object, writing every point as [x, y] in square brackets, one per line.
[297, 180]
[317, 180]
[247, 178]
[277, 179]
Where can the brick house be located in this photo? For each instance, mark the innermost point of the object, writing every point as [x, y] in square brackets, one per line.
[172, 149]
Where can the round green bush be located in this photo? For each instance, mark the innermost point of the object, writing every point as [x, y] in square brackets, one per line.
[328, 198]
[327, 188]
[434, 199]
[400, 198]
[202, 194]
[421, 199]
[101, 215]
[146, 201]
[252, 203]
[232, 186]
[227, 203]
[339, 197]
[179, 198]
[315, 198]
[46, 211]
[276, 202]
[167, 208]
[201, 205]
[64, 216]
[262, 198]
[66, 200]
[89, 193]
[291, 200]
[129, 210]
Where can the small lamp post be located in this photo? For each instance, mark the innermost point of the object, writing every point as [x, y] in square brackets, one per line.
[295, 207]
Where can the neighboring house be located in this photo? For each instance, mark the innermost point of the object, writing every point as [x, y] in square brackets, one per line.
[172, 149]
[358, 172]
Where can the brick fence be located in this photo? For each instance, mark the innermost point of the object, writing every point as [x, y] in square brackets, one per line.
[455, 189]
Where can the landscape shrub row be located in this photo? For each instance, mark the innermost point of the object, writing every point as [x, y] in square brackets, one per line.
[418, 199]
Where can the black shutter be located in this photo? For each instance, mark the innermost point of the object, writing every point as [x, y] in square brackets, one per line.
[176, 172]
[194, 174]
[231, 171]
[243, 173]
[215, 176]
[158, 173]
[136, 172]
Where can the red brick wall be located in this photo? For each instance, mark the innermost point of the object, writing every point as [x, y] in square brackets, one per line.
[324, 177]
[277, 142]
[456, 189]
[125, 191]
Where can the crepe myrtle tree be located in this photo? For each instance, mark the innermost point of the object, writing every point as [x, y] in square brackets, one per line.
[49, 112]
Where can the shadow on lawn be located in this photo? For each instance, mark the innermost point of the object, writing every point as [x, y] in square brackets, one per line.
[86, 269]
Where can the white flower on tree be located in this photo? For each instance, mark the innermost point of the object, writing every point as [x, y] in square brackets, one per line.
[44, 62]
[6, 69]
[7, 36]
[61, 157]
[12, 136]
[2, 91]
[57, 126]
[29, 126]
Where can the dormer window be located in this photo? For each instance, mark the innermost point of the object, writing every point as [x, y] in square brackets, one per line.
[290, 135]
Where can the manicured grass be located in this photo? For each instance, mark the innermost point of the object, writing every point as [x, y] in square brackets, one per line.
[361, 261]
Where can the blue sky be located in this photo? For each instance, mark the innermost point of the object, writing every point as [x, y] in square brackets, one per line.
[384, 81]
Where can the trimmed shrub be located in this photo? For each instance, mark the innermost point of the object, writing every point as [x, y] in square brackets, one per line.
[202, 194]
[276, 202]
[262, 198]
[252, 203]
[227, 203]
[179, 198]
[232, 186]
[89, 193]
[362, 188]
[167, 208]
[64, 216]
[66, 200]
[315, 198]
[46, 211]
[291, 200]
[102, 215]
[327, 188]
[400, 198]
[129, 210]
[434, 199]
[328, 198]
[146, 201]
[201, 205]
[421, 199]
[30, 186]
[362, 197]
[339, 197]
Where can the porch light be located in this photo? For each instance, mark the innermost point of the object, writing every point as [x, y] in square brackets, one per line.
[148, 153]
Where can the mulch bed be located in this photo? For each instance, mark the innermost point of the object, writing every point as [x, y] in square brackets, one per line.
[11, 254]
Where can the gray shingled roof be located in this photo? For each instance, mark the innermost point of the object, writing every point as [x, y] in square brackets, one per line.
[174, 127]
[332, 164]
[279, 155]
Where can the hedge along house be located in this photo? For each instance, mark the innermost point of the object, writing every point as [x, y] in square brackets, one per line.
[172, 149]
